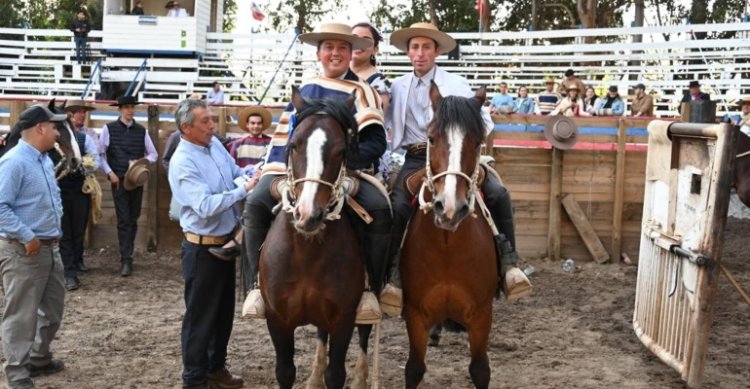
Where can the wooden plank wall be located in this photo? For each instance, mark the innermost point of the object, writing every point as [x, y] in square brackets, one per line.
[590, 175]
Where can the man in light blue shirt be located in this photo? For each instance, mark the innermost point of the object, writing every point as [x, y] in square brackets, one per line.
[202, 176]
[215, 94]
[502, 103]
[30, 263]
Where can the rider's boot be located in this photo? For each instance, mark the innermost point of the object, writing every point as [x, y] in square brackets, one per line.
[253, 306]
[391, 298]
[513, 281]
[375, 245]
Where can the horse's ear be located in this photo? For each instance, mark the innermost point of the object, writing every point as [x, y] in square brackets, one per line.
[62, 107]
[481, 95]
[297, 100]
[435, 95]
[351, 99]
[51, 105]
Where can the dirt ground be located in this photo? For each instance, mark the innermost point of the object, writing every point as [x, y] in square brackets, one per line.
[575, 332]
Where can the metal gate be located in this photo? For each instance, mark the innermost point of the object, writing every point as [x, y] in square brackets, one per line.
[688, 180]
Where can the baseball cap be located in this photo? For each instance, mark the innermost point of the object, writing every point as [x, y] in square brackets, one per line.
[39, 114]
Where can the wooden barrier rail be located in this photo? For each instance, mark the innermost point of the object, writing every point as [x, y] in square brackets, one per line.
[605, 173]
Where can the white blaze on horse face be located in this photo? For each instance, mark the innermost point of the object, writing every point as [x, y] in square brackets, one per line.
[455, 146]
[314, 170]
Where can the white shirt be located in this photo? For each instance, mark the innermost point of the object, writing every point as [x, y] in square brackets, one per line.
[177, 12]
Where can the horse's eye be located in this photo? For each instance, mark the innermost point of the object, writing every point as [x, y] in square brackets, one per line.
[431, 141]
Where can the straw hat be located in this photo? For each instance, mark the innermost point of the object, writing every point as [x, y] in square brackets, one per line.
[336, 31]
[745, 100]
[137, 174]
[561, 131]
[255, 110]
[400, 38]
[74, 105]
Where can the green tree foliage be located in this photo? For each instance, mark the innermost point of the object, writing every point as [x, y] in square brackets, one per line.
[302, 14]
[230, 15]
[10, 15]
[451, 15]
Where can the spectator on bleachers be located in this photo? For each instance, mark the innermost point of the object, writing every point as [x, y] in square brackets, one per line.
[695, 93]
[547, 100]
[175, 10]
[502, 103]
[611, 104]
[589, 100]
[571, 105]
[570, 80]
[80, 27]
[741, 119]
[643, 104]
[137, 8]
[524, 104]
[215, 94]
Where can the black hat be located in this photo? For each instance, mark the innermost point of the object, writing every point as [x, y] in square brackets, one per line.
[613, 88]
[569, 72]
[125, 100]
[39, 114]
[694, 84]
[640, 86]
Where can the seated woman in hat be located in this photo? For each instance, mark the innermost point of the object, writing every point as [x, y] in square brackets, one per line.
[571, 105]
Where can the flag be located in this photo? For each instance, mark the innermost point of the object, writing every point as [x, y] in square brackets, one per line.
[257, 13]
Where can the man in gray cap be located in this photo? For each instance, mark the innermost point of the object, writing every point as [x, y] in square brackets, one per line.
[30, 263]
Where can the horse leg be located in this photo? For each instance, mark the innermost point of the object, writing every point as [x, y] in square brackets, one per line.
[338, 343]
[283, 343]
[435, 335]
[479, 331]
[361, 369]
[319, 363]
[418, 330]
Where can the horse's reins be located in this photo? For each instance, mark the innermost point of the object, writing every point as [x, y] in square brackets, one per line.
[430, 178]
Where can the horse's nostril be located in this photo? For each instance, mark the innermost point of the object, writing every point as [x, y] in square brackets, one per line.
[438, 206]
[462, 210]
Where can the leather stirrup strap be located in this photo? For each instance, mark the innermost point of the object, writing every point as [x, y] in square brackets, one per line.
[359, 210]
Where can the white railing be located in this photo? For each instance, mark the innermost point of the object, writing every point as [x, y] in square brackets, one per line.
[601, 57]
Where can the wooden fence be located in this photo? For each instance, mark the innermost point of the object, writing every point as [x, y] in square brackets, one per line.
[604, 173]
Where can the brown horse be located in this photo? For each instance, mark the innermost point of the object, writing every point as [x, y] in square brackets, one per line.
[311, 265]
[448, 262]
[742, 169]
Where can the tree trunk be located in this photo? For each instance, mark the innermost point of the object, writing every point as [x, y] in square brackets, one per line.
[433, 14]
[587, 14]
[484, 16]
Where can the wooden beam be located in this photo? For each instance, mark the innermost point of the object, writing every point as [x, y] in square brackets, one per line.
[617, 207]
[152, 235]
[16, 107]
[593, 244]
[553, 231]
[221, 129]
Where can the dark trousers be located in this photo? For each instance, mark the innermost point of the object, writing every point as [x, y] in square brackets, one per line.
[496, 197]
[76, 206]
[209, 313]
[80, 42]
[128, 210]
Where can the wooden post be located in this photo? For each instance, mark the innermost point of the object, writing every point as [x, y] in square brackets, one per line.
[585, 229]
[152, 235]
[553, 232]
[16, 107]
[222, 119]
[619, 195]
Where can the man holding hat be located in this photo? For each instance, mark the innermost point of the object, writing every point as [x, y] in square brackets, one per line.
[409, 113]
[548, 99]
[123, 142]
[643, 104]
[335, 43]
[611, 104]
[571, 80]
[30, 263]
[76, 204]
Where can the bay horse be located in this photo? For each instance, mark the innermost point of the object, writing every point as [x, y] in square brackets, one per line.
[448, 265]
[63, 155]
[311, 264]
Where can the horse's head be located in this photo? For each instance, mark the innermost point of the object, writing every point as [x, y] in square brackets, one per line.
[67, 158]
[325, 135]
[455, 136]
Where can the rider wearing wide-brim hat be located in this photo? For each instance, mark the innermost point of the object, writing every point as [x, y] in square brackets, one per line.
[409, 113]
[334, 43]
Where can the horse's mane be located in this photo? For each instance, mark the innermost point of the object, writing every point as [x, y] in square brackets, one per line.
[459, 112]
[338, 111]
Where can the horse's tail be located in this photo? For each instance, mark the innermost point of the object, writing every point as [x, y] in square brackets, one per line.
[453, 326]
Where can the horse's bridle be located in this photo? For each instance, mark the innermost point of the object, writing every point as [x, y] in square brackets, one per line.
[430, 178]
[335, 203]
